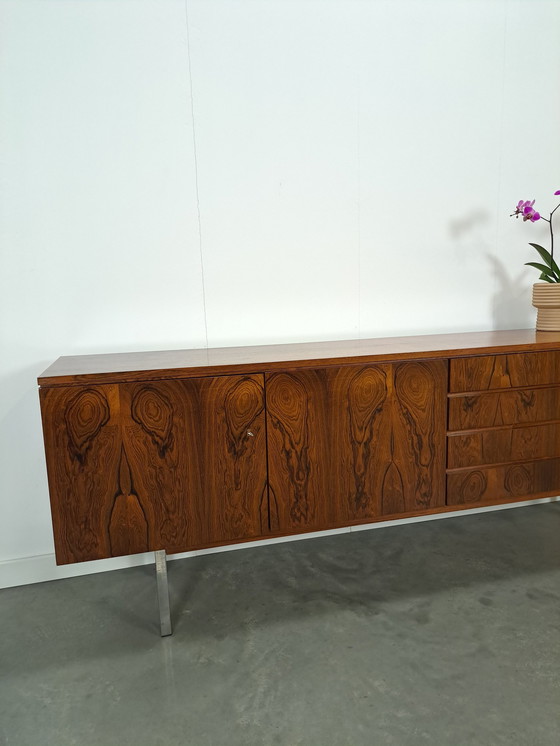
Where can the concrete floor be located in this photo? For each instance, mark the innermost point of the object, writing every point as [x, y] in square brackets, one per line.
[444, 633]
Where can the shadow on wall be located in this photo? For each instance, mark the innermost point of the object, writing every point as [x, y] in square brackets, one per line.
[511, 305]
[511, 302]
[463, 226]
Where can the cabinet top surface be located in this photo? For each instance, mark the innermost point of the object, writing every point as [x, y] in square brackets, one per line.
[132, 366]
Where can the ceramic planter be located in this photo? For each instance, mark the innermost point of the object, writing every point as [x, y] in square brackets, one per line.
[546, 299]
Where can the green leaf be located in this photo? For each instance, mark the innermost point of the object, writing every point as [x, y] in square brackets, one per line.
[543, 268]
[542, 276]
[547, 257]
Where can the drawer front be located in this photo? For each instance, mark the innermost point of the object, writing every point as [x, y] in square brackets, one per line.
[474, 411]
[510, 482]
[503, 446]
[504, 371]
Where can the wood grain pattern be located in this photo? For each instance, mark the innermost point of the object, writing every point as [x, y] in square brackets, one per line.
[197, 448]
[504, 408]
[234, 462]
[171, 465]
[173, 364]
[291, 421]
[159, 431]
[505, 483]
[504, 445]
[350, 443]
[83, 446]
[504, 371]
[418, 434]
[128, 527]
[365, 395]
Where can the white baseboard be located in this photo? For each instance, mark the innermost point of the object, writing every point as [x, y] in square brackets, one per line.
[42, 568]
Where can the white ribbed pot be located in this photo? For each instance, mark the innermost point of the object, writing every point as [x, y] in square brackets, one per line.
[546, 299]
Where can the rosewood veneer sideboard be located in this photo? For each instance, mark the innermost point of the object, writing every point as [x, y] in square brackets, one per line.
[182, 450]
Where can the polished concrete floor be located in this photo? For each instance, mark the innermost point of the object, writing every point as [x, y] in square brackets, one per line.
[444, 633]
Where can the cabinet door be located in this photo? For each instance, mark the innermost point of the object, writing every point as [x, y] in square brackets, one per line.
[324, 428]
[171, 465]
[350, 444]
[198, 457]
[415, 475]
[83, 447]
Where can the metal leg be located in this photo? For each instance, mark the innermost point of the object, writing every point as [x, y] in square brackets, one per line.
[163, 593]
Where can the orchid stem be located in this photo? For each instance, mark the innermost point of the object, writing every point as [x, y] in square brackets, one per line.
[551, 233]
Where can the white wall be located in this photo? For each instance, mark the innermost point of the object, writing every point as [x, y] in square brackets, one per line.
[337, 169]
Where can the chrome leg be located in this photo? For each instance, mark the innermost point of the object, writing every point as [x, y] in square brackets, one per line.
[163, 593]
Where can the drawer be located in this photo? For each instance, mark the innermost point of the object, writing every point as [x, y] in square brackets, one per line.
[503, 445]
[469, 412]
[504, 371]
[504, 482]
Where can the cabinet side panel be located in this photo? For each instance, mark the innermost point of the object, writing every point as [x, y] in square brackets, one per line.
[418, 438]
[81, 428]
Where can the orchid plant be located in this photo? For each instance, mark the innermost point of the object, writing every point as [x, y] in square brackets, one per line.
[550, 272]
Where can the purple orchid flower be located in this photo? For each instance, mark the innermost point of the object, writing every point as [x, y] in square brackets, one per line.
[530, 214]
[525, 208]
[549, 269]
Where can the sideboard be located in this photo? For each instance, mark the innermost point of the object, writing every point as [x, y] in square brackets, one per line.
[181, 450]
